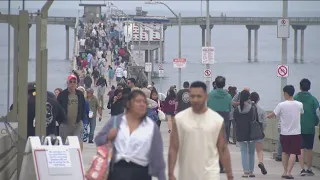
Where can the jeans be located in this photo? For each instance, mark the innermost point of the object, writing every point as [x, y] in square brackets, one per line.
[247, 155]
[92, 123]
[228, 127]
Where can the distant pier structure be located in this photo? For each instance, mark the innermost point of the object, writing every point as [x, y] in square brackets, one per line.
[92, 12]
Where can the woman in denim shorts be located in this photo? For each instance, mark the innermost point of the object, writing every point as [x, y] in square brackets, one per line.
[262, 117]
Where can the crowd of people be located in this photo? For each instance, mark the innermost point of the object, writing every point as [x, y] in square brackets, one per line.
[194, 114]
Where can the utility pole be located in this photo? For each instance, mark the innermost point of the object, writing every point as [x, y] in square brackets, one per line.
[149, 60]
[284, 48]
[179, 21]
[208, 39]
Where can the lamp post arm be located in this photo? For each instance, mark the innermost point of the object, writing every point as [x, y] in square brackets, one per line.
[170, 9]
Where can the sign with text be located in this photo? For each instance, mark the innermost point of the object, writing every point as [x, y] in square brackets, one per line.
[179, 63]
[58, 158]
[283, 28]
[148, 67]
[208, 55]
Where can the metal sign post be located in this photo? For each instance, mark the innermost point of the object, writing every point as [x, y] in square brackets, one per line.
[284, 48]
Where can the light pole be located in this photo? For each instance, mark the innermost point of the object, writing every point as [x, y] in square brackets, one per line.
[149, 60]
[208, 39]
[284, 47]
[179, 44]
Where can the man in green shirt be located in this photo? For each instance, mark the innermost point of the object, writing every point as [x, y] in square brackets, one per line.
[308, 122]
[220, 101]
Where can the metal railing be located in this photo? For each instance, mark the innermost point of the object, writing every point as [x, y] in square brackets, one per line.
[202, 20]
[245, 20]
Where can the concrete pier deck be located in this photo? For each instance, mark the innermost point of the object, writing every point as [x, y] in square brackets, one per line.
[274, 168]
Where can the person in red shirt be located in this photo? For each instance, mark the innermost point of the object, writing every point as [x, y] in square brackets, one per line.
[84, 63]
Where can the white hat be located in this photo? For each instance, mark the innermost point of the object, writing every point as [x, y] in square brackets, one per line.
[149, 86]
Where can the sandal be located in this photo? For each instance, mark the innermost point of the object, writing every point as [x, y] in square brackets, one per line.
[287, 177]
[245, 175]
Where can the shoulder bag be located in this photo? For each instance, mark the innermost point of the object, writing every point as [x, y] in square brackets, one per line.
[100, 165]
[255, 130]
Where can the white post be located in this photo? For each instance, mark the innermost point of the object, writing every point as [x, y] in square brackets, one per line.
[179, 49]
[208, 38]
[149, 51]
[284, 48]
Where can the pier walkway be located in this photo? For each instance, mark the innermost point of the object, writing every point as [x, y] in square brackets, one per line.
[189, 21]
[274, 168]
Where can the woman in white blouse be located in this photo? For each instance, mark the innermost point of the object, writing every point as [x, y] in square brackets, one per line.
[138, 146]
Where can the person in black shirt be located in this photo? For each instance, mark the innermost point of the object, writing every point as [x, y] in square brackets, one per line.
[101, 84]
[183, 100]
[116, 103]
[54, 112]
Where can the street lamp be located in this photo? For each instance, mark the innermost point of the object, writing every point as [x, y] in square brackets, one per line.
[179, 22]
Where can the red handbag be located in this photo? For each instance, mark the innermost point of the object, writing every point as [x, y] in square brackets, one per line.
[99, 169]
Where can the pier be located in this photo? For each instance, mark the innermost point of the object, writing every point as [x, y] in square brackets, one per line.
[251, 23]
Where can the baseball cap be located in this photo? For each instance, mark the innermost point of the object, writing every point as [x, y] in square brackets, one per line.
[72, 76]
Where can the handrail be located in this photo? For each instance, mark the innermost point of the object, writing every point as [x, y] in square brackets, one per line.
[200, 20]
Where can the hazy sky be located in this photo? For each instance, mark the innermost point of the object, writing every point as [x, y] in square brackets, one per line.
[265, 6]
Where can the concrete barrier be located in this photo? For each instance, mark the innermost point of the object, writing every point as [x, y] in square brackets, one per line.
[271, 140]
[8, 156]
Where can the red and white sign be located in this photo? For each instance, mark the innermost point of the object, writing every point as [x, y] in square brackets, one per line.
[179, 63]
[208, 54]
[160, 66]
[283, 28]
[283, 71]
[207, 73]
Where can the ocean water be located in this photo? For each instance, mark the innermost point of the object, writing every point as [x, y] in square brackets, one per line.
[230, 43]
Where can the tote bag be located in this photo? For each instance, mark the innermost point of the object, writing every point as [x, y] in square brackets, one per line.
[255, 129]
[99, 168]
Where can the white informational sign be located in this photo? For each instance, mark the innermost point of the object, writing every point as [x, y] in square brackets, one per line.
[148, 67]
[139, 57]
[127, 38]
[161, 73]
[47, 161]
[179, 63]
[58, 158]
[208, 55]
[283, 28]
[282, 70]
[140, 30]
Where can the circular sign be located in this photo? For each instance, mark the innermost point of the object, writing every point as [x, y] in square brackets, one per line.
[283, 21]
[282, 71]
[207, 73]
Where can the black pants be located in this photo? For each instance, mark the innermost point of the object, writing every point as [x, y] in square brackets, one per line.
[123, 170]
[158, 123]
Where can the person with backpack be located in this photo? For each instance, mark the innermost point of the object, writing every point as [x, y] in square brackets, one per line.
[87, 81]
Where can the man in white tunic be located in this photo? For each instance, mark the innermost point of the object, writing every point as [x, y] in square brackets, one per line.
[198, 140]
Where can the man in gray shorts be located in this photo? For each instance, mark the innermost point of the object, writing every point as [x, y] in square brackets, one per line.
[72, 102]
